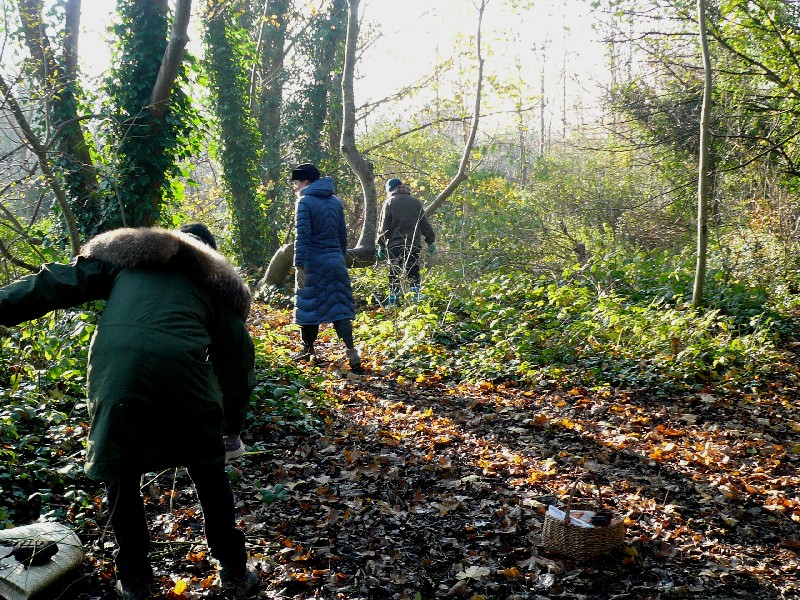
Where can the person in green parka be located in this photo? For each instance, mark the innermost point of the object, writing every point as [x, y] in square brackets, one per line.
[170, 373]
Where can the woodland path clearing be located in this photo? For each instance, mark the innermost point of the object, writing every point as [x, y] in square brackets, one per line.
[423, 490]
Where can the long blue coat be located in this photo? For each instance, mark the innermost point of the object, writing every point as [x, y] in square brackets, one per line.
[320, 246]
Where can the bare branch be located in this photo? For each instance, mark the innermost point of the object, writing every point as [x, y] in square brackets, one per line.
[41, 154]
[6, 253]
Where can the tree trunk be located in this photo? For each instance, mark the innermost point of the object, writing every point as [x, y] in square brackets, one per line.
[279, 267]
[703, 175]
[266, 102]
[241, 140]
[326, 91]
[543, 104]
[364, 169]
[162, 89]
[142, 89]
[173, 57]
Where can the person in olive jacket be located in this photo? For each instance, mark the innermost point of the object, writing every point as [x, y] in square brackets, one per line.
[170, 373]
[401, 228]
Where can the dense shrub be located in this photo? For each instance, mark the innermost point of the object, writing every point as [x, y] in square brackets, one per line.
[621, 319]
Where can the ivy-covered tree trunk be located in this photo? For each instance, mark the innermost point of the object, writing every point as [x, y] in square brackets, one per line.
[325, 93]
[241, 144]
[271, 78]
[149, 111]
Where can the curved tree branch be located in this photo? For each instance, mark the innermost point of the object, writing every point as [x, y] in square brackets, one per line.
[463, 167]
[173, 56]
[364, 169]
[6, 253]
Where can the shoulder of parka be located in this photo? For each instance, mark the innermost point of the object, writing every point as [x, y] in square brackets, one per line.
[155, 247]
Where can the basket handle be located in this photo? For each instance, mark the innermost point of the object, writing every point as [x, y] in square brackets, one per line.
[572, 492]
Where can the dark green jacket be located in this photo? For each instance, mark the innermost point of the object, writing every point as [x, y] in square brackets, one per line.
[171, 364]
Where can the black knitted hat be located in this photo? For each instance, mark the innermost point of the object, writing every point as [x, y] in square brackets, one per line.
[201, 232]
[305, 172]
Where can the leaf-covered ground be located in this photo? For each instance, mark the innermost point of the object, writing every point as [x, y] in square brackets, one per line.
[422, 489]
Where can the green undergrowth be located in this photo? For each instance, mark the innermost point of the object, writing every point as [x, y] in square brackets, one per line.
[285, 393]
[44, 419]
[619, 320]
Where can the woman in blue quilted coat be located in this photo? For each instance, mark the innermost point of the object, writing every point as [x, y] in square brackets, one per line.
[322, 282]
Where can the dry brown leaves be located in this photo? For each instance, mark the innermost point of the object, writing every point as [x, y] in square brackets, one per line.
[424, 490]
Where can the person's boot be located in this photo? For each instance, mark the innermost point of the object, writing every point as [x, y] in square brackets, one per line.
[306, 354]
[234, 448]
[353, 358]
[135, 583]
[239, 584]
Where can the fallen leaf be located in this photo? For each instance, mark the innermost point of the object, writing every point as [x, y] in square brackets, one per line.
[473, 572]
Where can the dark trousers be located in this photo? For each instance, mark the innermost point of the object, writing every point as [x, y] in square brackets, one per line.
[128, 520]
[403, 260]
[344, 329]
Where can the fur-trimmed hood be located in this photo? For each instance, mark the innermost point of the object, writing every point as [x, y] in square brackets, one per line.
[134, 247]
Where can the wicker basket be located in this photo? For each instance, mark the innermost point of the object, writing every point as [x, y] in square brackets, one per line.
[560, 536]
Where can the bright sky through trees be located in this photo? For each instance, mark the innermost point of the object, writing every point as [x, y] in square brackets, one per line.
[406, 39]
[417, 33]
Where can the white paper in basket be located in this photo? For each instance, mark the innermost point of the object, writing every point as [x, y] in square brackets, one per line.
[576, 517]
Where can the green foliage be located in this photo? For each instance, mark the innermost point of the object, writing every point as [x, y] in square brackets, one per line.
[44, 244]
[424, 157]
[43, 418]
[621, 319]
[272, 494]
[613, 192]
[754, 50]
[482, 225]
[762, 37]
[284, 393]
